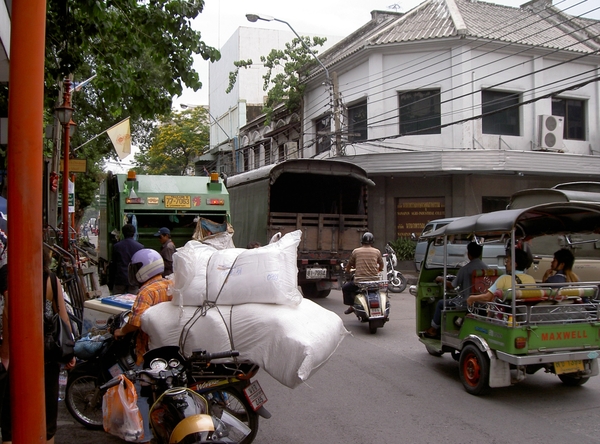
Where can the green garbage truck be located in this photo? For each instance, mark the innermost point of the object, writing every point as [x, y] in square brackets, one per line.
[150, 202]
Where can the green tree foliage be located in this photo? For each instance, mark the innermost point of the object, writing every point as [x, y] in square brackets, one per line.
[177, 139]
[286, 71]
[142, 54]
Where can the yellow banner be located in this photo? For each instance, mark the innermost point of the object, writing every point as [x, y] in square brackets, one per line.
[120, 136]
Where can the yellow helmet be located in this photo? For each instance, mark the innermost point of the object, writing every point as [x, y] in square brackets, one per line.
[199, 426]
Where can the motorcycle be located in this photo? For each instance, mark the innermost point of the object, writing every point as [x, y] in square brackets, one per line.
[226, 386]
[396, 280]
[371, 304]
[178, 413]
[83, 397]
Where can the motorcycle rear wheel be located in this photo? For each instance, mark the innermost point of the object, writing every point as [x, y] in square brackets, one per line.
[84, 402]
[397, 282]
[236, 404]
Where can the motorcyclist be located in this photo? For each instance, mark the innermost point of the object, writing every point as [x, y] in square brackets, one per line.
[367, 262]
[146, 269]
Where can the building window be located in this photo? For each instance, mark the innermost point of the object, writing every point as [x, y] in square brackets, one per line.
[505, 122]
[574, 113]
[246, 159]
[420, 112]
[257, 156]
[357, 122]
[323, 129]
[267, 148]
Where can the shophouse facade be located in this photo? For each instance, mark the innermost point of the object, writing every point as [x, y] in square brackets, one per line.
[457, 104]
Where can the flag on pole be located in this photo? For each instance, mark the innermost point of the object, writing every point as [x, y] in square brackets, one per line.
[120, 136]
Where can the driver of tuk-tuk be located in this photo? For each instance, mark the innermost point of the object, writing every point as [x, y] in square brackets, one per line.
[462, 282]
[523, 261]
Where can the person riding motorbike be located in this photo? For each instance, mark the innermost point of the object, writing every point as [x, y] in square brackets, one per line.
[146, 269]
[367, 262]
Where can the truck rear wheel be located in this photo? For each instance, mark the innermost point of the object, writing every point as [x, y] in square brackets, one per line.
[310, 291]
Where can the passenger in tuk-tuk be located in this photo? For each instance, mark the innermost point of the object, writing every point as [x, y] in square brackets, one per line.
[523, 261]
[462, 281]
[561, 268]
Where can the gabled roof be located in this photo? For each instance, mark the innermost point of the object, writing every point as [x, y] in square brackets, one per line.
[535, 24]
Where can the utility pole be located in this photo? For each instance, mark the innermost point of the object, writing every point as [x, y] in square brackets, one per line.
[336, 115]
[25, 334]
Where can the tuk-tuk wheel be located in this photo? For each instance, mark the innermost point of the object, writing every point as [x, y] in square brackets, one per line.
[474, 370]
[572, 380]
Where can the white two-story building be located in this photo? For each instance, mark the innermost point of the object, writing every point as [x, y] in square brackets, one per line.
[455, 105]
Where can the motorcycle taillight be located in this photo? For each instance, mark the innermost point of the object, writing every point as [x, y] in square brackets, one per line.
[374, 303]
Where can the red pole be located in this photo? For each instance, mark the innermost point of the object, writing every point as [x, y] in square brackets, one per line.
[25, 172]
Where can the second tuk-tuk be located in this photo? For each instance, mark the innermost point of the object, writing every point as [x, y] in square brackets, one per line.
[529, 327]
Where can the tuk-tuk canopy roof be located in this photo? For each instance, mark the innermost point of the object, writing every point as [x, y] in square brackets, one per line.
[540, 220]
[536, 196]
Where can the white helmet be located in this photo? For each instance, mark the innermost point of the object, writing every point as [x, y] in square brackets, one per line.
[145, 264]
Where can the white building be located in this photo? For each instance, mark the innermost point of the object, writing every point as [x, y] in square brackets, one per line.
[231, 111]
[455, 105]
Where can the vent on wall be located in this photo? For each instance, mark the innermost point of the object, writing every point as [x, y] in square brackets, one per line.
[551, 132]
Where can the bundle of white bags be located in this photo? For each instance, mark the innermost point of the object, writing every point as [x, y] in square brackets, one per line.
[233, 276]
[247, 300]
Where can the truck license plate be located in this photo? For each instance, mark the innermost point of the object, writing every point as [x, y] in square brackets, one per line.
[177, 202]
[568, 367]
[316, 273]
[255, 395]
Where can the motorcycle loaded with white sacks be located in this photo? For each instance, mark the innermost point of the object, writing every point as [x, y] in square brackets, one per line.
[396, 280]
[370, 299]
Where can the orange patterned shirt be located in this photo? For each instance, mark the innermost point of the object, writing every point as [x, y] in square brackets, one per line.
[153, 292]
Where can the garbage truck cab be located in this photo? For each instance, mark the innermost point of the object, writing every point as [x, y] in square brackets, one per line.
[150, 202]
[527, 327]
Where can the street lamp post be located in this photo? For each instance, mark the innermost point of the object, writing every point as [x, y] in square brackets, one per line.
[64, 113]
[330, 84]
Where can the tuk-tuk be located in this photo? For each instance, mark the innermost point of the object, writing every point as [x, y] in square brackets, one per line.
[526, 328]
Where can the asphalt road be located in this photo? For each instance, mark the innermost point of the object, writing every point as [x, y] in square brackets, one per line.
[386, 388]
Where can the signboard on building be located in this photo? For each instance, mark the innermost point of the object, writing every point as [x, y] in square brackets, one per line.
[75, 165]
[413, 213]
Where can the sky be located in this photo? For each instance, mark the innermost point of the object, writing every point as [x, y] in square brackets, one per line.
[221, 18]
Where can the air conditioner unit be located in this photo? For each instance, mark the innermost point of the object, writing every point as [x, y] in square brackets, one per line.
[290, 150]
[551, 132]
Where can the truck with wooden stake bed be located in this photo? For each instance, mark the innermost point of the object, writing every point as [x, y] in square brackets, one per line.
[325, 199]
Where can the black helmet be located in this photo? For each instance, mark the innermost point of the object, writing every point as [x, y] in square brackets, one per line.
[367, 238]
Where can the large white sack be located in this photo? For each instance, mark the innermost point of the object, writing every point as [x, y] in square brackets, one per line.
[266, 274]
[189, 277]
[220, 241]
[164, 322]
[289, 342]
